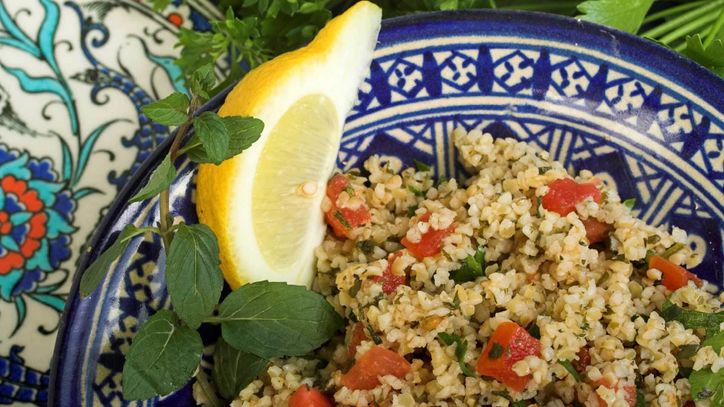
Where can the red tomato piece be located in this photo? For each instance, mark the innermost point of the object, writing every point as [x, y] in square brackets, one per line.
[596, 231]
[509, 344]
[673, 275]
[628, 388]
[306, 397]
[356, 337]
[564, 194]
[390, 280]
[343, 220]
[376, 362]
[430, 243]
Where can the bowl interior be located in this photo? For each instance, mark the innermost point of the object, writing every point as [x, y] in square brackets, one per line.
[639, 116]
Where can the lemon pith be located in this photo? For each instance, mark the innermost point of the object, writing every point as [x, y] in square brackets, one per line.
[266, 223]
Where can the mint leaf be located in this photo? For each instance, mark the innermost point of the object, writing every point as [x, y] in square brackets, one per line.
[626, 15]
[169, 111]
[163, 356]
[213, 136]
[277, 319]
[715, 341]
[161, 178]
[242, 131]
[461, 348]
[471, 269]
[705, 384]
[693, 319]
[203, 81]
[193, 275]
[572, 370]
[93, 275]
[711, 57]
[234, 369]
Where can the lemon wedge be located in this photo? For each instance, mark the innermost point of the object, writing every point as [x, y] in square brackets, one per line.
[264, 204]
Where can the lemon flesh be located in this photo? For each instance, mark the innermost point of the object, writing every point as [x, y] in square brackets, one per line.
[289, 182]
[264, 205]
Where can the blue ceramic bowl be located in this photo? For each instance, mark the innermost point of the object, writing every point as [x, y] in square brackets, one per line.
[640, 116]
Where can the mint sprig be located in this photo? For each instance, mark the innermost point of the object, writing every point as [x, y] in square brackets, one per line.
[259, 321]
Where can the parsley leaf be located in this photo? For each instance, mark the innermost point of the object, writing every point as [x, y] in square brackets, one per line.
[572, 370]
[169, 111]
[234, 369]
[163, 356]
[272, 319]
[706, 384]
[193, 275]
[461, 348]
[626, 15]
[693, 319]
[715, 341]
[161, 178]
[711, 56]
[202, 81]
[93, 275]
[471, 269]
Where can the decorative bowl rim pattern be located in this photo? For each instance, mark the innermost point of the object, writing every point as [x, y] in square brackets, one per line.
[695, 78]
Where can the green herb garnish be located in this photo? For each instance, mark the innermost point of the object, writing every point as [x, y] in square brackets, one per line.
[421, 166]
[461, 348]
[472, 268]
[340, 217]
[572, 370]
[710, 322]
[415, 190]
[373, 335]
[496, 351]
[629, 203]
[640, 399]
[534, 330]
[676, 247]
[705, 384]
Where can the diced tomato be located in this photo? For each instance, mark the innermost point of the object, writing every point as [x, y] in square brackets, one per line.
[509, 344]
[583, 360]
[306, 397]
[343, 220]
[595, 231]
[564, 194]
[390, 280]
[356, 337]
[430, 243]
[628, 388]
[673, 275]
[376, 362]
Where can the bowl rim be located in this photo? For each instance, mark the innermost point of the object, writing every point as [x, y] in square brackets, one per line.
[687, 73]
